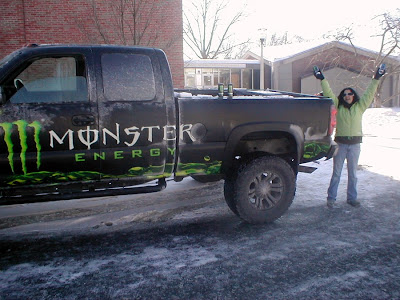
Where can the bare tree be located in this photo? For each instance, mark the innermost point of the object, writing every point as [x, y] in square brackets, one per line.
[236, 52]
[205, 33]
[343, 34]
[129, 23]
[389, 45]
[277, 40]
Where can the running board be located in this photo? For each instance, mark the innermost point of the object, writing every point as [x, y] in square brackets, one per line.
[9, 200]
[305, 169]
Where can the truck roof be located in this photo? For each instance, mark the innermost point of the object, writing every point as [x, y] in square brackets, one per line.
[62, 47]
[30, 49]
[33, 45]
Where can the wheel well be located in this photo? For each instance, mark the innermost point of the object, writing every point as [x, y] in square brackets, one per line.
[271, 143]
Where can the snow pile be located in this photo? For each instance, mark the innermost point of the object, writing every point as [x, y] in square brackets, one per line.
[381, 148]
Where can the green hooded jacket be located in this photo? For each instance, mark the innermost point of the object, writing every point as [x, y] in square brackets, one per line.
[349, 121]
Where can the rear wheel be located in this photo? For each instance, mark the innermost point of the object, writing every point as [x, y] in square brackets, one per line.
[264, 189]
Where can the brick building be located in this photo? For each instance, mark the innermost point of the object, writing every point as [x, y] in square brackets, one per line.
[154, 23]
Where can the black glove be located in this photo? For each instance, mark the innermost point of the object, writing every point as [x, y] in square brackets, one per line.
[380, 71]
[318, 74]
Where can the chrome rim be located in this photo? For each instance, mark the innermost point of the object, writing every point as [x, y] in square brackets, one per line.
[265, 191]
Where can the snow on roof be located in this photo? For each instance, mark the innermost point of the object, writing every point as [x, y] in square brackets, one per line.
[274, 53]
[279, 53]
[283, 52]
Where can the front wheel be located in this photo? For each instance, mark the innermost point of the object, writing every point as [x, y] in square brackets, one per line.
[264, 189]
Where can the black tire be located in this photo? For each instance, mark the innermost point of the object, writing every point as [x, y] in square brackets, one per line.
[264, 189]
[206, 178]
[229, 193]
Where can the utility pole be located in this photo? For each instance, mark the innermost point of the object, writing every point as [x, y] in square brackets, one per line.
[262, 42]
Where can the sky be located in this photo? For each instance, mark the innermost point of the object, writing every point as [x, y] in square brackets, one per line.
[310, 19]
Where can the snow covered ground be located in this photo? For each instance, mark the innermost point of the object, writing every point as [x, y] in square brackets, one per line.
[381, 150]
[194, 248]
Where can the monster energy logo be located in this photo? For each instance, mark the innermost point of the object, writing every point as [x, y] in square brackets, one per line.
[22, 126]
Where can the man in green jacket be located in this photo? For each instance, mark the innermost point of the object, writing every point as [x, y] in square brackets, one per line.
[350, 109]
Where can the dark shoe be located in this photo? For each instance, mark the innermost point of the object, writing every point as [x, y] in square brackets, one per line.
[330, 203]
[354, 203]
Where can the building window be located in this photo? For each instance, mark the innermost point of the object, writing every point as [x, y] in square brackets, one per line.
[235, 77]
[207, 78]
[225, 76]
[190, 77]
[247, 78]
[216, 77]
[210, 78]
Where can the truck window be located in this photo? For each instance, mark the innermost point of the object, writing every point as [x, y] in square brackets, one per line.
[127, 77]
[49, 80]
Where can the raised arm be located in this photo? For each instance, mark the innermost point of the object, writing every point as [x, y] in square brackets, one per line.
[325, 86]
[368, 96]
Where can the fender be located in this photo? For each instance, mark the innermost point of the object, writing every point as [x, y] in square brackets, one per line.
[240, 131]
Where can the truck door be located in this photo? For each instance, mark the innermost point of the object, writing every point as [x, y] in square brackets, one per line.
[48, 121]
[133, 115]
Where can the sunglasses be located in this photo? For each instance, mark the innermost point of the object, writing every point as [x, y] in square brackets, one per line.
[348, 94]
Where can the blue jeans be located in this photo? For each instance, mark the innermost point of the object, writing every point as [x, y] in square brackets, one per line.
[351, 153]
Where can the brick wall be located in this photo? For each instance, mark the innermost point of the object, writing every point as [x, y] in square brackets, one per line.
[158, 23]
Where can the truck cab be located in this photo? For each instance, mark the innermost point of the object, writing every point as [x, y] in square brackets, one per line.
[83, 114]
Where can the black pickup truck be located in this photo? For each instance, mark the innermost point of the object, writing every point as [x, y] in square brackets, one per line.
[84, 121]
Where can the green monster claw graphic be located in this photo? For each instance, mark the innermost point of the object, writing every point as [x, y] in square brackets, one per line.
[312, 150]
[208, 167]
[37, 126]
[7, 138]
[196, 168]
[44, 177]
[22, 126]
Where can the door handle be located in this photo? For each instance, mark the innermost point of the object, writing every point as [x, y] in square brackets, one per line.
[82, 120]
